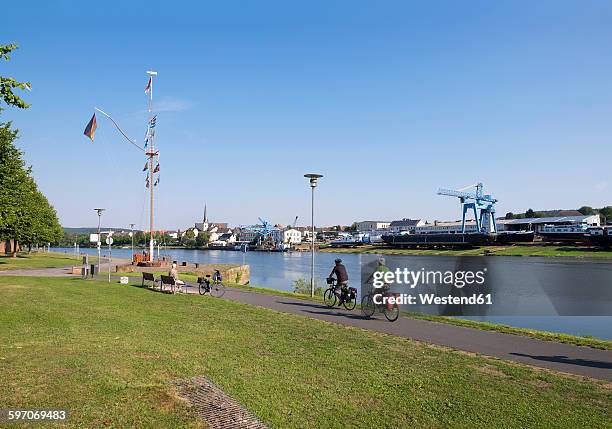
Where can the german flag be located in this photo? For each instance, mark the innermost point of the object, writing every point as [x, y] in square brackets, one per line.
[90, 129]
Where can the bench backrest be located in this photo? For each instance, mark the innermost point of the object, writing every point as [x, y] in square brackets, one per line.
[167, 280]
[148, 276]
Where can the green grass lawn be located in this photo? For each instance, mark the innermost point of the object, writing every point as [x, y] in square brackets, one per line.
[516, 250]
[37, 260]
[107, 352]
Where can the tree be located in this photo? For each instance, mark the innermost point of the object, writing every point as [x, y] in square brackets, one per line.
[44, 227]
[16, 188]
[202, 239]
[8, 84]
[606, 214]
[188, 240]
[509, 215]
[529, 213]
[586, 210]
[25, 214]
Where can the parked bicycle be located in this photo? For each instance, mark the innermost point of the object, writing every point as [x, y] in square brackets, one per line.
[369, 307]
[348, 295]
[213, 287]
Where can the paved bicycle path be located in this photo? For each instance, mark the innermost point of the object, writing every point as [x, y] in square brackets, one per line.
[567, 358]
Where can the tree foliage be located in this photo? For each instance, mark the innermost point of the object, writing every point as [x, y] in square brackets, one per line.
[586, 210]
[9, 84]
[202, 239]
[25, 214]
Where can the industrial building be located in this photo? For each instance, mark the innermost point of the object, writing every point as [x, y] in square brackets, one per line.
[536, 223]
[372, 225]
[404, 225]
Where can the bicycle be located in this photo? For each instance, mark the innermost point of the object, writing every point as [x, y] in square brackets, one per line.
[214, 288]
[348, 295]
[369, 307]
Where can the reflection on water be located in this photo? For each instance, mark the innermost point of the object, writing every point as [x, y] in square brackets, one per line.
[280, 270]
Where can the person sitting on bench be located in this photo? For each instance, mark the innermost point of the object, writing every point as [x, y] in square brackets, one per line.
[174, 274]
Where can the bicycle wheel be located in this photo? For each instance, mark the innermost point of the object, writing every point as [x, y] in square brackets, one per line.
[392, 313]
[201, 288]
[217, 290]
[329, 297]
[367, 306]
[350, 304]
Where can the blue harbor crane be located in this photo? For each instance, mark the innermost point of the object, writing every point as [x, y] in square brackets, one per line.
[482, 205]
[263, 231]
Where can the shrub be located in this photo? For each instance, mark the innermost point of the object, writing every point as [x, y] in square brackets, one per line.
[302, 286]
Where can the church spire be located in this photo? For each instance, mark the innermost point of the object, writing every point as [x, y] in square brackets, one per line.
[205, 220]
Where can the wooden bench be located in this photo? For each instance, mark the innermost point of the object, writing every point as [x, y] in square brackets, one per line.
[148, 277]
[170, 281]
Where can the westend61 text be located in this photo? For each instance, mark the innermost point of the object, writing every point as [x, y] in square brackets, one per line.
[432, 299]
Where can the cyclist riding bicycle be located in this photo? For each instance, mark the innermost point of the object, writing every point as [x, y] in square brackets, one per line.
[339, 271]
[381, 267]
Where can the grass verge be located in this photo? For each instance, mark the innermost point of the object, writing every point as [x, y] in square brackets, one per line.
[107, 352]
[37, 260]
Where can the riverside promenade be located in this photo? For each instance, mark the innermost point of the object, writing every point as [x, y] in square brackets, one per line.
[571, 359]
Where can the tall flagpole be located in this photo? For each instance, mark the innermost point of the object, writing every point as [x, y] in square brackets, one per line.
[151, 155]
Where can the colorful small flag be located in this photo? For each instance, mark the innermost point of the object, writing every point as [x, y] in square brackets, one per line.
[148, 87]
[156, 168]
[146, 167]
[156, 181]
[152, 122]
[90, 129]
[147, 182]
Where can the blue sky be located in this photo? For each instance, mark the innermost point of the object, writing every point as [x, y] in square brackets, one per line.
[389, 100]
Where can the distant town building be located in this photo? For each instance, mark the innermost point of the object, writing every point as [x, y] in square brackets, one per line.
[372, 225]
[405, 225]
[292, 236]
[214, 229]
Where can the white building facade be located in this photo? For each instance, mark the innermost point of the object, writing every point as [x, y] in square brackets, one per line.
[372, 225]
[292, 236]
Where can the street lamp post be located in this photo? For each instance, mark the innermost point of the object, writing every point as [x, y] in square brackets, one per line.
[132, 226]
[99, 242]
[313, 184]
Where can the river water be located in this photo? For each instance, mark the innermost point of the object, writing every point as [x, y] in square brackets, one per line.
[280, 270]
